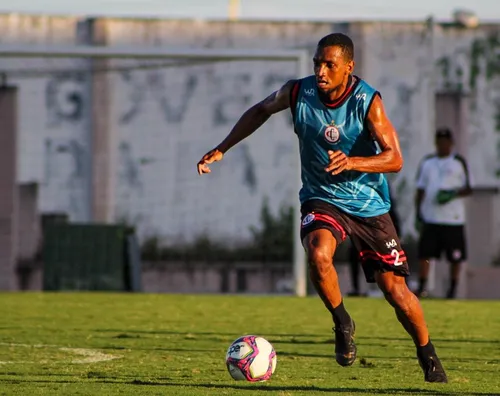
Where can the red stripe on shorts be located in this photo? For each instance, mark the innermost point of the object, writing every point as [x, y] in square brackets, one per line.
[330, 220]
[386, 258]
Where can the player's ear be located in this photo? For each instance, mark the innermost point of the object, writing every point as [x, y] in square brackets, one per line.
[350, 66]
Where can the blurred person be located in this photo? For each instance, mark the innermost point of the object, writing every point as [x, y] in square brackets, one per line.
[443, 182]
[354, 257]
[347, 143]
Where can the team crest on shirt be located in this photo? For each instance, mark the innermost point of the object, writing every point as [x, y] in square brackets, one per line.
[332, 134]
[308, 219]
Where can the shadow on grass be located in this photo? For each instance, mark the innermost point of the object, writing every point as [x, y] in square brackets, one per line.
[162, 349]
[121, 333]
[435, 340]
[258, 387]
[446, 359]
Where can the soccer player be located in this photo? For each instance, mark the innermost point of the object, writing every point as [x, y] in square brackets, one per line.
[443, 182]
[347, 143]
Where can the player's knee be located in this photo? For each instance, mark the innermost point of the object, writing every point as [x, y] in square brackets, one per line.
[396, 294]
[320, 260]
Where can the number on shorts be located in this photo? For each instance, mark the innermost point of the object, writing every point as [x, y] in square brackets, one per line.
[395, 254]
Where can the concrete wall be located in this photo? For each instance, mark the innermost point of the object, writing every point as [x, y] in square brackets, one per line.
[166, 119]
[53, 113]
[157, 122]
[410, 63]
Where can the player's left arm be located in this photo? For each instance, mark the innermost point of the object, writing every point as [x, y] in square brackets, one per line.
[381, 128]
[466, 189]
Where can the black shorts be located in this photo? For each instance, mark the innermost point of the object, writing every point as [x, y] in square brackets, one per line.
[438, 238]
[375, 238]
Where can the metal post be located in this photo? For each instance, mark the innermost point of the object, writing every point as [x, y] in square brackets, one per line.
[299, 259]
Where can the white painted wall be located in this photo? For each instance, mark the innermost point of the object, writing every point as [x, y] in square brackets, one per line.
[165, 119]
[53, 114]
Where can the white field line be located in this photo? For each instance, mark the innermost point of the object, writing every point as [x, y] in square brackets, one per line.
[89, 355]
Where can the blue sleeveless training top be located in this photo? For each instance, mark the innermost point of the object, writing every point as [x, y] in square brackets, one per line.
[320, 128]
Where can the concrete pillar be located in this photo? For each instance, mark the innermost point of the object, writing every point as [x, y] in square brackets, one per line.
[8, 188]
[102, 141]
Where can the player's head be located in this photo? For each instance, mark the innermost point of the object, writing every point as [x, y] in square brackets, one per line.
[444, 142]
[333, 61]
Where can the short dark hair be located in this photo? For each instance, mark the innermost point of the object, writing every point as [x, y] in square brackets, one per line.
[444, 132]
[339, 40]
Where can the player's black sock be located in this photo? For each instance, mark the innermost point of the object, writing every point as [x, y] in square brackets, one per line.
[422, 284]
[453, 288]
[427, 349]
[340, 316]
[430, 363]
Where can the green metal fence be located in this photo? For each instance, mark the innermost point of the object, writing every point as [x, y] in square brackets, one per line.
[90, 257]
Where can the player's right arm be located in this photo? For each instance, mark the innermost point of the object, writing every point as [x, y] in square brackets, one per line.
[420, 193]
[249, 122]
[419, 198]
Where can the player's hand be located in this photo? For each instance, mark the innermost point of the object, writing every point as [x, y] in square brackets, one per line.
[445, 196]
[339, 162]
[212, 156]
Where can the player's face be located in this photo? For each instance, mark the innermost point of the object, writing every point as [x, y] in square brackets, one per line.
[444, 146]
[331, 68]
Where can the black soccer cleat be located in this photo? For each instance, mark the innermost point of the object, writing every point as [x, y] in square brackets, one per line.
[432, 368]
[345, 348]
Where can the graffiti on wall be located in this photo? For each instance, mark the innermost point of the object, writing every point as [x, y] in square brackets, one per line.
[129, 172]
[171, 119]
[139, 85]
[64, 98]
[227, 95]
[66, 176]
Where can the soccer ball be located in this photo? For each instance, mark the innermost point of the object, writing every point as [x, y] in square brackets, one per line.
[251, 358]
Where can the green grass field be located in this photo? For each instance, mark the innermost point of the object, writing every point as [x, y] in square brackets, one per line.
[138, 344]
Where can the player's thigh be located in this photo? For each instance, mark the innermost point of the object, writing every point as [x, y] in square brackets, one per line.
[430, 242]
[379, 246]
[392, 284]
[455, 245]
[322, 229]
[320, 246]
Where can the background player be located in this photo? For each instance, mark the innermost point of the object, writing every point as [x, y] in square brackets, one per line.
[338, 118]
[443, 182]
